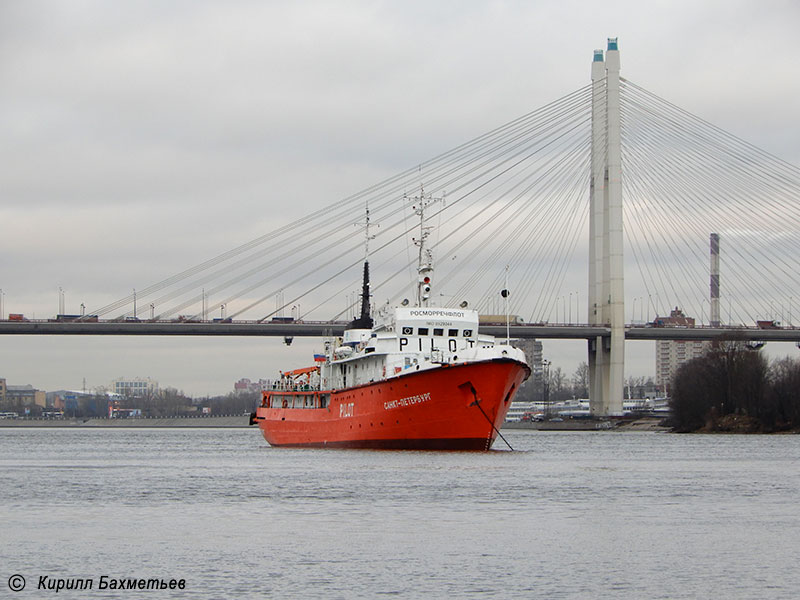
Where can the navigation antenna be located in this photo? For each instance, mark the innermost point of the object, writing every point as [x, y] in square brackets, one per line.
[425, 264]
[367, 236]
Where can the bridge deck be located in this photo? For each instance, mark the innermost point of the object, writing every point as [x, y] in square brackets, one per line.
[323, 328]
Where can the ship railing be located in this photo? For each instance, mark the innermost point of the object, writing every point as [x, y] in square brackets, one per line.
[294, 387]
[309, 399]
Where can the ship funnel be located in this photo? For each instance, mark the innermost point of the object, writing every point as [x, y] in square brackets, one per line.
[364, 321]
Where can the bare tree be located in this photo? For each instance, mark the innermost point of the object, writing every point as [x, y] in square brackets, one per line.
[557, 384]
[730, 379]
[580, 381]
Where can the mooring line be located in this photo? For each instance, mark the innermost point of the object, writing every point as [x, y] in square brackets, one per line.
[483, 412]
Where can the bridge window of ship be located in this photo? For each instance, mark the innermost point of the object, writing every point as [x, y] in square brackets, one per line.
[452, 333]
[467, 332]
[438, 331]
[422, 331]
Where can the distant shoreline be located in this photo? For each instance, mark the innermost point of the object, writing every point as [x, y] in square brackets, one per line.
[227, 421]
[237, 421]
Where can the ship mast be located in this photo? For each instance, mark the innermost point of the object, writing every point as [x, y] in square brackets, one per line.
[425, 264]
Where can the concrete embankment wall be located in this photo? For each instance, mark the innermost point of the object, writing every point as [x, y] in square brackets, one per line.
[226, 421]
[640, 424]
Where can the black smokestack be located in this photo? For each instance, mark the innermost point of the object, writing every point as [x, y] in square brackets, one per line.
[364, 321]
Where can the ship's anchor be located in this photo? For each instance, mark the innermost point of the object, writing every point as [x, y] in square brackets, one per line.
[477, 403]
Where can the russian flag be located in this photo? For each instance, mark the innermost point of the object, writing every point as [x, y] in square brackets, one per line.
[319, 358]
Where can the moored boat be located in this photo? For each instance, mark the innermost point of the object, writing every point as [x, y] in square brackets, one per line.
[416, 377]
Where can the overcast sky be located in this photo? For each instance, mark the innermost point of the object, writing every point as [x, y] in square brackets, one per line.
[140, 138]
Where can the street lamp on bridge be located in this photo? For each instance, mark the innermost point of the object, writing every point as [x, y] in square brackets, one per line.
[570, 308]
[546, 386]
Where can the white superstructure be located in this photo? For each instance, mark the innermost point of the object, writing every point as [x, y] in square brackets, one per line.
[404, 339]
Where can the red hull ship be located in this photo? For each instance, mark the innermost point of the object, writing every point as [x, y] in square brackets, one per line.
[452, 407]
[414, 378]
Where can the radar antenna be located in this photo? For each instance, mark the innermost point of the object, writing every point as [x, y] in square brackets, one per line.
[425, 263]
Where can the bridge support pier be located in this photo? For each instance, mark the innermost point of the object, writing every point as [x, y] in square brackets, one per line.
[606, 356]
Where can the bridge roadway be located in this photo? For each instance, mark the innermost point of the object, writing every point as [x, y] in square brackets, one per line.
[324, 328]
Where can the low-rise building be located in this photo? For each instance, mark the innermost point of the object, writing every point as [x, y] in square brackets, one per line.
[134, 388]
[244, 385]
[24, 395]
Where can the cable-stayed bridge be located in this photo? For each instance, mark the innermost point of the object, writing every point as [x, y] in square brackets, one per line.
[244, 328]
[536, 206]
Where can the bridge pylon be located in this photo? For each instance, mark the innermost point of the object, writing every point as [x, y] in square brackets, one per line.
[606, 285]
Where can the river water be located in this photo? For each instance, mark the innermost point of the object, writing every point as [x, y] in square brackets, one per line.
[566, 515]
